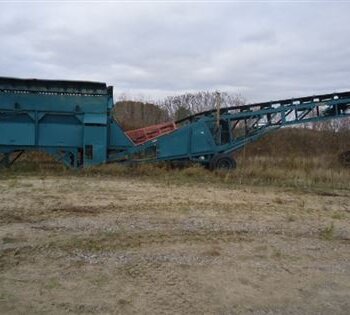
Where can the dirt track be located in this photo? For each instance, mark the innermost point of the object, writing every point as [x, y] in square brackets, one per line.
[122, 246]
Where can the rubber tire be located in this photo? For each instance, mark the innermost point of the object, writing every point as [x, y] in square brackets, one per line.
[223, 162]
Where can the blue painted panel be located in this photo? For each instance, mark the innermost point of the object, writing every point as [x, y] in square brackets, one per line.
[190, 140]
[96, 137]
[99, 119]
[60, 135]
[17, 133]
[117, 137]
[56, 103]
[202, 139]
[174, 144]
[99, 155]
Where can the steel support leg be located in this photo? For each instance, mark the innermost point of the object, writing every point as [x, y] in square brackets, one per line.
[6, 160]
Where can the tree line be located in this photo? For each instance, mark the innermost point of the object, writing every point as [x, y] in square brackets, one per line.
[138, 114]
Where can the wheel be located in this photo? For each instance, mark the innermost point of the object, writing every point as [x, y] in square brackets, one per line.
[223, 162]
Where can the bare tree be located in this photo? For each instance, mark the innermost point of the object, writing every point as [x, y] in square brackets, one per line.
[198, 102]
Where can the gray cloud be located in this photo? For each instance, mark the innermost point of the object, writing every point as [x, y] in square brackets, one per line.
[261, 50]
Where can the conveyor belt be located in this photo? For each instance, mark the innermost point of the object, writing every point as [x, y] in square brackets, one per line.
[264, 105]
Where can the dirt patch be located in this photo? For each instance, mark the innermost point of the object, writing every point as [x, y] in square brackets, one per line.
[79, 209]
[125, 246]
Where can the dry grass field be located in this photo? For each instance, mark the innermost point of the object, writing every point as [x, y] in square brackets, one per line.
[273, 237]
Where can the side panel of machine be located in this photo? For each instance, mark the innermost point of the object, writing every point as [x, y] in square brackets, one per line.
[16, 129]
[186, 142]
[175, 144]
[95, 144]
[57, 103]
[60, 130]
[202, 139]
[95, 139]
[117, 137]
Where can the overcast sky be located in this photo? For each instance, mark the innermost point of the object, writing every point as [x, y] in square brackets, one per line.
[263, 51]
